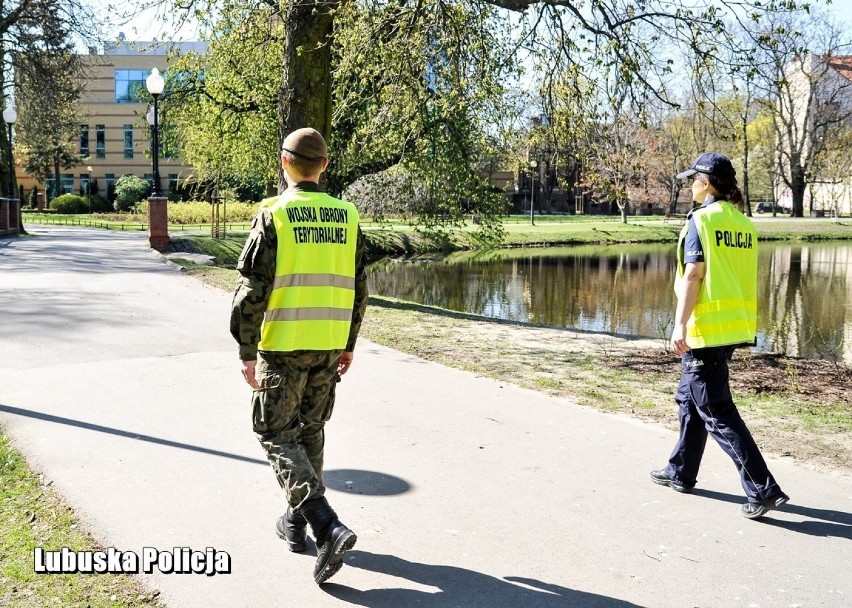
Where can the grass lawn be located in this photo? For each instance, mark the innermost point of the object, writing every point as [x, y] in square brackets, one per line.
[33, 515]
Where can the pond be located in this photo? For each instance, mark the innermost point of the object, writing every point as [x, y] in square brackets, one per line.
[804, 308]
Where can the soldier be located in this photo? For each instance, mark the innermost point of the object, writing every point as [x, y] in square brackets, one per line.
[716, 289]
[296, 313]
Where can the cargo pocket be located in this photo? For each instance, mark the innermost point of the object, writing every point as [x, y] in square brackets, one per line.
[268, 402]
[329, 406]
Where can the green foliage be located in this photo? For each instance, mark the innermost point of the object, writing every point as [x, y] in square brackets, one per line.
[129, 191]
[224, 104]
[200, 212]
[49, 124]
[100, 204]
[70, 203]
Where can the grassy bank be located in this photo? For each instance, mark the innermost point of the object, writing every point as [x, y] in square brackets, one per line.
[555, 231]
[34, 516]
[398, 238]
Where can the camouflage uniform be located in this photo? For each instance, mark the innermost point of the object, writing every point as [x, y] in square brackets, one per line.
[296, 395]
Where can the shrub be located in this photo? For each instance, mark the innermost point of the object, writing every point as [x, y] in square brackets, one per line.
[69, 203]
[199, 212]
[129, 190]
[100, 204]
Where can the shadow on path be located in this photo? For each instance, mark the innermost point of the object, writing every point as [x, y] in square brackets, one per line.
[16, 411]
[371, 483]
[820, 522]
[460, 587]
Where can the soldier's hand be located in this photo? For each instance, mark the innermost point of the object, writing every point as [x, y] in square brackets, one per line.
[344, 362]
[248, 373]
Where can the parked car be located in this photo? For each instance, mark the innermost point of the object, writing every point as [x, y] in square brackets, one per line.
[767, 208]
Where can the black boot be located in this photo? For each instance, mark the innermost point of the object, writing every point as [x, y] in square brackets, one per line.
[292, 528]
[333, 538]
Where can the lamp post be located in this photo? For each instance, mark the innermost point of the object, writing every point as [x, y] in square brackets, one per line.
[13, 206]
[89, 189]
[158, 218]
[9, 117]
[533, 166]
[155, 85]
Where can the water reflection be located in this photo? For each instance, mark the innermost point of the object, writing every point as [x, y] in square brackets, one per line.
[805, 306]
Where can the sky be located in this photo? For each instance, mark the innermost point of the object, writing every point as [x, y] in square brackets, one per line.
[150, 24]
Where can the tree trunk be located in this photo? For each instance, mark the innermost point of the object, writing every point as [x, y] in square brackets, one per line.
[304, 95]
[797, 187]
[57, 178]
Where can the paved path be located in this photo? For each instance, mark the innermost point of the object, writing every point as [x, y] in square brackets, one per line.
[119, 381]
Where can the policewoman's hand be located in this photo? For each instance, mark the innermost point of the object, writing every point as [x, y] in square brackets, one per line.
[678, 340]
[248, 373]
[344, 362]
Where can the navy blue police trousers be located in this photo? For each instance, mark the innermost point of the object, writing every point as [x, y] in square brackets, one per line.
[707, 406]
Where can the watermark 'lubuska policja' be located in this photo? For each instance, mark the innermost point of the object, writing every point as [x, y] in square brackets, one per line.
[179, 560]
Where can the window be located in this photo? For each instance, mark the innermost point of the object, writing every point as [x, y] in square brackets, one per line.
[173, 182]
[50, 187]
[67, 182]
[100, 141]
[130, 86]
[128, 141]
[84, 140]
[109, 185]
[149, 177]
[84, 184]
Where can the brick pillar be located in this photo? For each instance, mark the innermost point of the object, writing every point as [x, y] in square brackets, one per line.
[15, 216]
[40, 201]
[4, 216]
[158, 223]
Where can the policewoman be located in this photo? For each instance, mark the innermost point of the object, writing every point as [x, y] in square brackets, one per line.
[296, 314]
[716, 290]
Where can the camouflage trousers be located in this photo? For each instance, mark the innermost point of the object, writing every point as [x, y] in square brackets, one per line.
[289, 412]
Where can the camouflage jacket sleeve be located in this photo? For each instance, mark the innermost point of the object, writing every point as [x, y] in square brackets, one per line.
[360, 304]
[257, 273]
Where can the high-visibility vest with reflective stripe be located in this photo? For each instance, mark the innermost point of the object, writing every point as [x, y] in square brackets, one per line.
[310, 307]
[726, 310]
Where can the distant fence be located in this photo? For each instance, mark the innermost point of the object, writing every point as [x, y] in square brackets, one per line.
[128, 226]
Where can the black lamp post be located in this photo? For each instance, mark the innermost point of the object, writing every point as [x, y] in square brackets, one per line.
[155, 85]
[533, 167]
[9, 117]
[89, 189]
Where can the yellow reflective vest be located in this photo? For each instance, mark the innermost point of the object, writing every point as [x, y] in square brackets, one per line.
[726, 310]
[310, 307]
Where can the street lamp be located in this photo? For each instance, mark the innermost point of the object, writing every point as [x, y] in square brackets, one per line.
[9, 117]
[155, 85]
[89, 188]
[533, 166]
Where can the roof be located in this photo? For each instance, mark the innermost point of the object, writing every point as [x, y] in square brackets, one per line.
[842, 64]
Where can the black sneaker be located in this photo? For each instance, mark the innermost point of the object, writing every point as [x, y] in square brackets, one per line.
[662, 478]
[753, 510]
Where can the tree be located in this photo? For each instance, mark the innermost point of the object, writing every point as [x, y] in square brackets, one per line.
[220, 110]
[808, 100]
[49, 122]
[129, 190]
[453, 37]
[34, 36]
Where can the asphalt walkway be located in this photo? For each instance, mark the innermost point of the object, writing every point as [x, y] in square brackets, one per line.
[120, 382]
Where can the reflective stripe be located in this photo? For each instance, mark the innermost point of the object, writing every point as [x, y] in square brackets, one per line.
[308, 314]
[314, 280]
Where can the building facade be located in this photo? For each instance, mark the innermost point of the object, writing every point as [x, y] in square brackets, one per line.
[114, 136]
